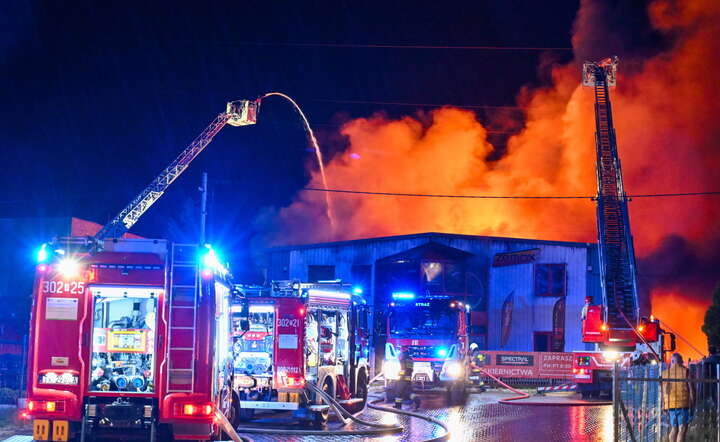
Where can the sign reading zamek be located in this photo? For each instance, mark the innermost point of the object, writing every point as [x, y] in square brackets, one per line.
[515, 258]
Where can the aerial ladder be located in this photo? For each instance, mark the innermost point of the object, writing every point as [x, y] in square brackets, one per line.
[237, 113]
[616, 324]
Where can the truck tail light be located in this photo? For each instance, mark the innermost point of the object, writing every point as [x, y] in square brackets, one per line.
[293, 382]
[45, 406]
[194, 410]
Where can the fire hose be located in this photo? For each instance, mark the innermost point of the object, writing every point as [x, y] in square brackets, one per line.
[377, 429]
[522, 395]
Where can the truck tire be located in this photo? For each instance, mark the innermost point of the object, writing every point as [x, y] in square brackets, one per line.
[391, 392]
[244, 414]
[457, 394]
[234, 417]
[320, 419]
[362, 387]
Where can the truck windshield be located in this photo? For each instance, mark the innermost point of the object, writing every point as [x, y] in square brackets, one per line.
[254, 348]
[123, 356]
[428, 320]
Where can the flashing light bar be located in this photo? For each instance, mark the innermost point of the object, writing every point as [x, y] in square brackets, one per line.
[262, 308]
[357, 290]
[333, 294]
[211, 261]
[403, 295]
[42, 254]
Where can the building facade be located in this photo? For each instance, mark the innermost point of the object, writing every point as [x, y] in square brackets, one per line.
[523, 294]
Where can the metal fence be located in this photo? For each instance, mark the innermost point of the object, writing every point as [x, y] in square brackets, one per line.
[639, 394]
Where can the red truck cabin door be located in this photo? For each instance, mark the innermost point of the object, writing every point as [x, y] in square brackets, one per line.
[289, 344]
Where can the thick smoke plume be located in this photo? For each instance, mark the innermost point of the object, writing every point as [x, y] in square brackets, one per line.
[666, 109]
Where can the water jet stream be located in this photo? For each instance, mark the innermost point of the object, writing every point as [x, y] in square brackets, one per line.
[318, 154]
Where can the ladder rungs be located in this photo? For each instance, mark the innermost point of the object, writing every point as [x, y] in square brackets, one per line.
[182, 349]
[172, 306]
[182, 328]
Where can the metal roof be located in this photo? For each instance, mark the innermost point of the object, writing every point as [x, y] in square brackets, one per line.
[430, 236]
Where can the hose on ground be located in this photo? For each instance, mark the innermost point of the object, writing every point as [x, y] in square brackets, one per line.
[522, 395]
[416, 415]
[380, 429]
[345, 417]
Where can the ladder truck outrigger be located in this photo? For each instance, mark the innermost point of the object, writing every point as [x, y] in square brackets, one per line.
[615, 325]
[131, 337]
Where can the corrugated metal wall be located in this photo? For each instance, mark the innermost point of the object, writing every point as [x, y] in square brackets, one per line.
[531, 313]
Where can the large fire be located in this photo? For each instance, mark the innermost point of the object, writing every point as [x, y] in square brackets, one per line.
[666, 109]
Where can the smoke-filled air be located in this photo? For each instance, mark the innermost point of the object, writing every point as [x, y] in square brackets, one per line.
[666, 108]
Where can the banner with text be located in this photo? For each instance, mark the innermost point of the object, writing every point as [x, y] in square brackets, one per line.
[527, 365]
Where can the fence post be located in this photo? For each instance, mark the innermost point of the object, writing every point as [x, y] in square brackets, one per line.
[658, 408]
[616, 403]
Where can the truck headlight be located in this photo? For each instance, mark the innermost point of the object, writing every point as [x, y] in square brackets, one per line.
[454, 370]
[391, 370]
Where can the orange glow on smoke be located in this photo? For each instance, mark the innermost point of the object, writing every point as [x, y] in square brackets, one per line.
[684, 316]
[666, 108]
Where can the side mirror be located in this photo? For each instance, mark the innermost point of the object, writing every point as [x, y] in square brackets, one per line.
[244, 325]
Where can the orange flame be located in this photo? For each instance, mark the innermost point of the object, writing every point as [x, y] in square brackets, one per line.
[666, 110]
[685, 316]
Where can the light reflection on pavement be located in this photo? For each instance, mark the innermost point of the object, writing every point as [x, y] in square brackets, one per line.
[484, 419]
[481, 419]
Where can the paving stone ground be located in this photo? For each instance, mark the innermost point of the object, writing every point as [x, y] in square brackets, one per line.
[481, 419]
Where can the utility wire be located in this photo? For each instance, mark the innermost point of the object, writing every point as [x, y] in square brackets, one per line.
[396, 46]
[402, 103]
[433, 195]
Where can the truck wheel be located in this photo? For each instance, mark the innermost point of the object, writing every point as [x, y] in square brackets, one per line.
[362, 388]
[243, 414]
[457, 395]
[390, 392]
[320, 418]
[233, 417]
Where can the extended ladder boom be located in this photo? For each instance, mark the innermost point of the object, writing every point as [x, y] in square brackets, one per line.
[238, 113]
[617, 256]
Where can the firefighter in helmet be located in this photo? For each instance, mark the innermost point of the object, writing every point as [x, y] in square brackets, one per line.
[404, 391]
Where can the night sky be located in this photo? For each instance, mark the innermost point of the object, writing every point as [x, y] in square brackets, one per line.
[98, 97]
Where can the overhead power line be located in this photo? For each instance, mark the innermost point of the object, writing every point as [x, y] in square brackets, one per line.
[515, 197]
[397, 46]
[403, 103]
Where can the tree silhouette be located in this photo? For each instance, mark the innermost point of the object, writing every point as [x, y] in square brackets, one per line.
[711, 327]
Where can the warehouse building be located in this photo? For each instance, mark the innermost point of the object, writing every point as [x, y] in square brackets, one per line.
[524, 295]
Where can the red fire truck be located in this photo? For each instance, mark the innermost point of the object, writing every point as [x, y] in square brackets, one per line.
[132, 339]
[432, 329]
[293, 336]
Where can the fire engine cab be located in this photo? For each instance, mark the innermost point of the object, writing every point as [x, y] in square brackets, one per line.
[432, 330]
[130, 339]
[293, 337]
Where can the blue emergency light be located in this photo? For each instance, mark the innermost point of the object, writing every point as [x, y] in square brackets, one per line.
[442, 352]
[403, 295]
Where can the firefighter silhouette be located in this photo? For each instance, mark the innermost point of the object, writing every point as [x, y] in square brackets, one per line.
[404, 392]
